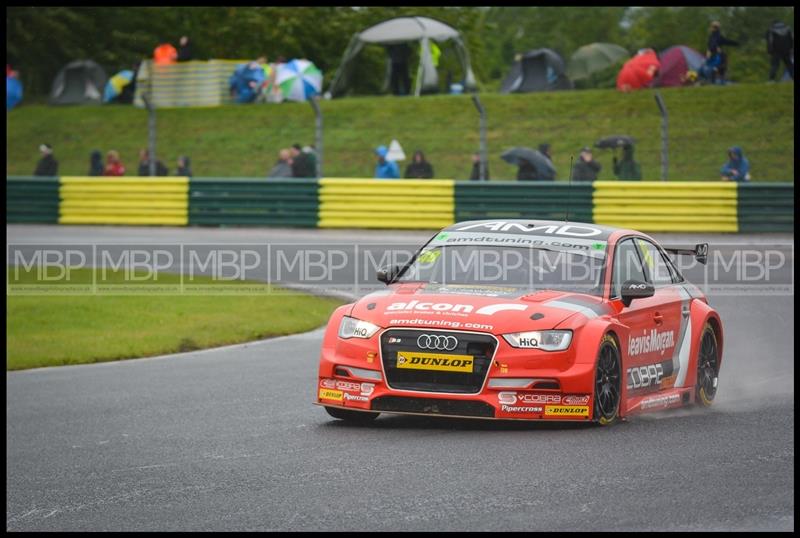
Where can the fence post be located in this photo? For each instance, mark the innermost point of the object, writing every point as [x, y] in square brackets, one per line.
[151, 132]
[664, 136]
[483, 147]
[318, 138]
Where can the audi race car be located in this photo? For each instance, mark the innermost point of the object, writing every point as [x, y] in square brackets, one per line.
[519, 319]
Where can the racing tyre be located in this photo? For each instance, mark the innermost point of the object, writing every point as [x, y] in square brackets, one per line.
[351, 416]
[707, 367]
[606, 383]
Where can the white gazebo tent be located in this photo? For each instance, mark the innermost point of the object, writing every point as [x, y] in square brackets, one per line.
[403, 30]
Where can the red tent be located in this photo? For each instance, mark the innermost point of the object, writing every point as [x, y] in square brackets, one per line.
[639, 71]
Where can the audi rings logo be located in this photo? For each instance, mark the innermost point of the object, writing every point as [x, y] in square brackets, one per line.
[438, 342]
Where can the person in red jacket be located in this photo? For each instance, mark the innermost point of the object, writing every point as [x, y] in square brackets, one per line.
[114, 166]
[165, 54]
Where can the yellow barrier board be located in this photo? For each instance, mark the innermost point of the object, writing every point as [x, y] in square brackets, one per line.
[655, 206]
[386, 203]
[124, 200]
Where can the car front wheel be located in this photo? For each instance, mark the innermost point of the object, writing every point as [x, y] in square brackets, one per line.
[606, 383]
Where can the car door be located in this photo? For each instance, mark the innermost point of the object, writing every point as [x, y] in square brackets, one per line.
[646, 354]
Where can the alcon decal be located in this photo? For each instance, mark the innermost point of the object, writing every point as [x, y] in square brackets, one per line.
[422, 306]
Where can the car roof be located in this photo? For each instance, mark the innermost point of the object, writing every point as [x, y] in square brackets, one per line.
[557, 228]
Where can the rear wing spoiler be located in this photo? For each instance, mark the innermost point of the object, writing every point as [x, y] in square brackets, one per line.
[700, 252]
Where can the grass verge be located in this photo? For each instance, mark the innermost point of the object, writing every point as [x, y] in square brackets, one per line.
[52, 330]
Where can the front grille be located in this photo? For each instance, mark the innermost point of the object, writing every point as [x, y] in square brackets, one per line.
[431, 406]
[479, 346]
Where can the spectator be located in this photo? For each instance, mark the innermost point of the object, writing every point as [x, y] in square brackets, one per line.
[714, 50]
[282, 168]
[301, 163]
[184, 167]
[184, 49]
[476, 168]
[526, 171]
[399, 79]
[47, 165]
[144, 165]
[310, 153]
[165, 54]
[96, 163]
[780, 47]
[737, 168]
[586, 169]
[114, 166]
[246, 81]
[419, 168]
[545, 150]
[627, 168]
[385, 169]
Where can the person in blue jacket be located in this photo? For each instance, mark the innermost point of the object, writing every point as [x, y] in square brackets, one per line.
[246, 82]
[385, 169]
[737, 168]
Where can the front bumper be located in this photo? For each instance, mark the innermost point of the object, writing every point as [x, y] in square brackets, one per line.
[519, 384]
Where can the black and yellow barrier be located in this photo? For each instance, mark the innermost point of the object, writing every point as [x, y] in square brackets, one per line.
[391, 203]
[32, 199]
[124, 200]
[660, 206]
[766, 207]
[253, 202]
[523, 200]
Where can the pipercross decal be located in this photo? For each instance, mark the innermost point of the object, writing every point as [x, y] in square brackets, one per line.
[417, 306]
[649, 343]
[554, 229]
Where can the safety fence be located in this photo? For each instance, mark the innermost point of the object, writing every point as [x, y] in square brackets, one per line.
[652, 206]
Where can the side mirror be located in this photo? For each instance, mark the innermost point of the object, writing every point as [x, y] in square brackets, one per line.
[634, 289]
[387, 273]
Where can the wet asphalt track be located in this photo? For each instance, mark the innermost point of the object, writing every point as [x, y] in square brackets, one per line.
[228, 439]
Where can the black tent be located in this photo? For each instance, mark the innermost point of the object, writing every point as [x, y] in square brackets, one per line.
[79, 83]
[535, 71]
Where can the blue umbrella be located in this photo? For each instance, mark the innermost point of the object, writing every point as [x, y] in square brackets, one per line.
[116, 84]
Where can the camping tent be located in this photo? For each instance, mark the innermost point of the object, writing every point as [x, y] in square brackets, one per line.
[79, 83]
[403, 30]
[535, 71]
[675, 63]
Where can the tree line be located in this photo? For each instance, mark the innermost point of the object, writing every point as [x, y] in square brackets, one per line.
[40, 40]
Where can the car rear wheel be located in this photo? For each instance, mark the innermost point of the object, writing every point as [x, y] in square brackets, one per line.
[707, 367]
[351, 416]
[606, 384]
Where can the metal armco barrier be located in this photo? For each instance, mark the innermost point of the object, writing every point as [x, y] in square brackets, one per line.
[657, 206]
[124, 200]
[766, 207]
[386, 203]
[650, 206]
[253, 202]
[32, 199]
[522, 200]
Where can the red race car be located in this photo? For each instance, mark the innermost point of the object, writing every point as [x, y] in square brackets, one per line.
[520, 319]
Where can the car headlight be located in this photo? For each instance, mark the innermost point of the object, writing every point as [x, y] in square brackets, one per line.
[356, 328]
[544, 340]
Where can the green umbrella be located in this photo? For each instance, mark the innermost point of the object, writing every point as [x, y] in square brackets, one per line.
[594, 57]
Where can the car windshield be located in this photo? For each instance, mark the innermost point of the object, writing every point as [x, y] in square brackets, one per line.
[521, 267]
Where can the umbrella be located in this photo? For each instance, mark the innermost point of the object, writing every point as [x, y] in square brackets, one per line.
[614, 141]
[115, 85]
[299, 80]
[542, 164]
[638, 72]
[594, 57]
